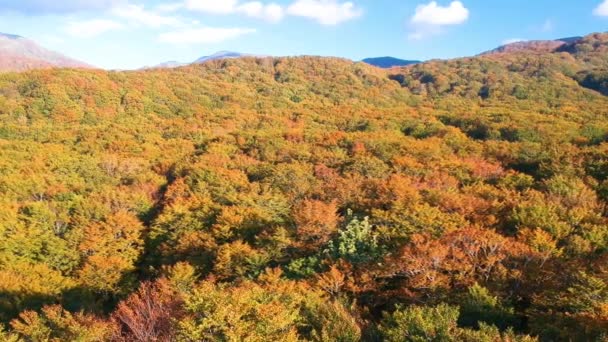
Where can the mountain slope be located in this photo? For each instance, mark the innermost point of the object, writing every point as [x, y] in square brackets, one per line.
[530, 72]
[388, 62]
[533, 46]
[19, 54]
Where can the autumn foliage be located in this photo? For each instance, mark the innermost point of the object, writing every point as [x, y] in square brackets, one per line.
[288, 199]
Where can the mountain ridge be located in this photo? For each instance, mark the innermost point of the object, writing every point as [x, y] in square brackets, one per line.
[215, 56]
[532, 46]
[10, 36]
[19, 54]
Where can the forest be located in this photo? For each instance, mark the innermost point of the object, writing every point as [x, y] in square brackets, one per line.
[308, 199]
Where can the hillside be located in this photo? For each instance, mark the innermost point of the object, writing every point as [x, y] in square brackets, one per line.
[308, 198]
[20, 54]
[533, 46]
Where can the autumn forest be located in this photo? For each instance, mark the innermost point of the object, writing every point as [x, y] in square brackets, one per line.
[308, 198]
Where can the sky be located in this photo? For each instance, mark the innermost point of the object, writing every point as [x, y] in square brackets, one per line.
[129, 34]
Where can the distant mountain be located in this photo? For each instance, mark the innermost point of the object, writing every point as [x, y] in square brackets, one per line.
[223, 55]
[213, 57]
[170, 64]
[388, 62]
[18, 54]
[533, 46]
[382, 62]
[570, 40]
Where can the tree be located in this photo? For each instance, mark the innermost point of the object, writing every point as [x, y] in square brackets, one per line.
[316, 222]
[356, 243]
[149, 314]
[438, 323]
[246, 312]
[56, 324]
[421, 324]
[111, 249]
[479, 307]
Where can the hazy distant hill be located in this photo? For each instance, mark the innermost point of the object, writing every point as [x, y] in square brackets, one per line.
[223, 55]
[388, 62]
[381, 62]
[18, 54]
[170, 64]
[213, 57]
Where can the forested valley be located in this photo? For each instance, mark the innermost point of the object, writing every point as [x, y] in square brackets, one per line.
[308, 198]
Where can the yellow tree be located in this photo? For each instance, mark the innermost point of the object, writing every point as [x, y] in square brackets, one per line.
[110, 249]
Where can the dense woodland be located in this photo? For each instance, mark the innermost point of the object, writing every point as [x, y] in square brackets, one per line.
[286, 199]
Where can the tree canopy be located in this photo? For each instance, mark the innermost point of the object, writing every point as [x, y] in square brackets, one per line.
[308, 198]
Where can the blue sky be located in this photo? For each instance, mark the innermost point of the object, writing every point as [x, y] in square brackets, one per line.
[127, 34]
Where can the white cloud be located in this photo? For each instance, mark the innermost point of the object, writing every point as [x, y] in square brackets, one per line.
[91, 28]
[433, 14]
[170, 7]
[326, 12]
[205, 35]
[602, 9]
[422, 32]
[255, 9]
[136, 14]
[271, 12]
[37, 7]
[547, 26]
[429, 19]
[212, 6]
